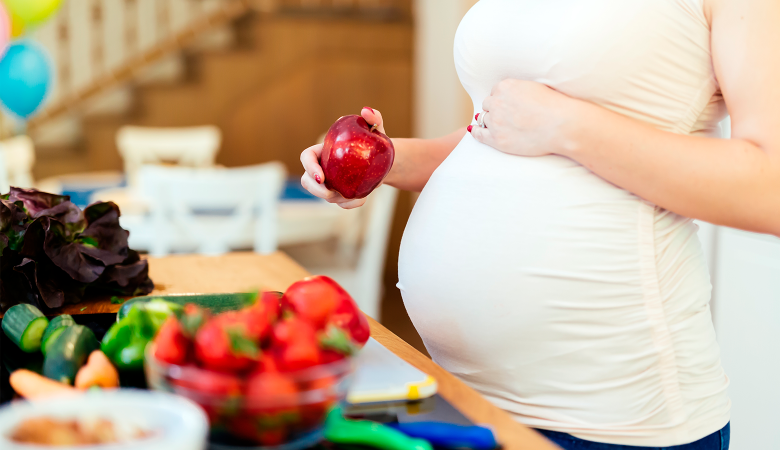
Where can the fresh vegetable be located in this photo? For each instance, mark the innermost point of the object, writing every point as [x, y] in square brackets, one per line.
[25, 324]
[215, 303]
[46, 237]
[125, 342]
[31, 385]
[68, 353]
[56, 326]
[98, 371]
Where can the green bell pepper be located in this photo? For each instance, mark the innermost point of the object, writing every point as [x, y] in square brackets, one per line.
[125, 342]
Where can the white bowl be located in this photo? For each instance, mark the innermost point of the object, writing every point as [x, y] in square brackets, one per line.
[174, 422]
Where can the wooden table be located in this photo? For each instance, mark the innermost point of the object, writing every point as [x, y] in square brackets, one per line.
[237, 272]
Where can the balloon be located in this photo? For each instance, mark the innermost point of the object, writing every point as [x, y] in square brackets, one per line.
[17, 26]
[5, 29]
[32, 12]
[25, 76]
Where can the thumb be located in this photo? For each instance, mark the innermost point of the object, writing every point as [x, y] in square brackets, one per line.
[373, 116]
[482, 135]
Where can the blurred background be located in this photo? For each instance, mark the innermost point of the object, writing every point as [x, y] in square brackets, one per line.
[191, 116]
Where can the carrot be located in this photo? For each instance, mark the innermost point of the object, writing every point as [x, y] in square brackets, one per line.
[31, 385]
[98, 371]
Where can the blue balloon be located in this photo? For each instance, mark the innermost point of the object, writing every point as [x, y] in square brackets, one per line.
[25, 76]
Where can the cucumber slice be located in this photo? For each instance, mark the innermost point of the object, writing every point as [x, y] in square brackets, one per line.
[24, 324]
[68, 353]
[55, 328]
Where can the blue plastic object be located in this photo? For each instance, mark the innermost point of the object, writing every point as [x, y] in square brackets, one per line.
[448, 435]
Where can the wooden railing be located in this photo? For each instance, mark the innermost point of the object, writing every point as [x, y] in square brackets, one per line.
[97, 45]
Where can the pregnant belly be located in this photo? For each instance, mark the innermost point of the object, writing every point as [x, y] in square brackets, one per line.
[528, 278]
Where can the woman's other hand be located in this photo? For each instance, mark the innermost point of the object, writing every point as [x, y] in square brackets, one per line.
[526, 118]
[314, 178]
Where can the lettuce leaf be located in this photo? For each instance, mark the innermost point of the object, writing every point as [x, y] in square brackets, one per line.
[52, 253]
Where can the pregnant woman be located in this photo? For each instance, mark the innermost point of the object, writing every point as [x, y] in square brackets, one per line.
[551, 261]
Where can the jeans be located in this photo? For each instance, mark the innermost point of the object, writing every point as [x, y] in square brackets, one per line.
[718, 440]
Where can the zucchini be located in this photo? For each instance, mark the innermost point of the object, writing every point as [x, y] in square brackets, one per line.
[24, 324]
[56, 326]
[216, 303]
[68, 353]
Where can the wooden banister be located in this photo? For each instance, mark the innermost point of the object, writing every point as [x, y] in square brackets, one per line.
[227, 12]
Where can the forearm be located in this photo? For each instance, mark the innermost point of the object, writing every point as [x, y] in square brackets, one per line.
[733, 182]
[416, 159]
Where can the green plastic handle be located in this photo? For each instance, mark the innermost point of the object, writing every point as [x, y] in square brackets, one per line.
[363, 432]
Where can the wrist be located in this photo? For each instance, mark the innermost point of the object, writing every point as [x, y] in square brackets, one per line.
[573, 129]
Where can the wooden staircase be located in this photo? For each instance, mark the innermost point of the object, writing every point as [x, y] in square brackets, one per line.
[289, 73]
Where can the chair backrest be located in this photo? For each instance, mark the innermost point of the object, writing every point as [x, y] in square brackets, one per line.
[371, 259]
[17, 158]
[190, 146]
[213, 207]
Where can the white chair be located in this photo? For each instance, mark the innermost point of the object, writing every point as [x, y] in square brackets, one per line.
[210, 211]
[17, 158]
[361, 275]
[190, 146]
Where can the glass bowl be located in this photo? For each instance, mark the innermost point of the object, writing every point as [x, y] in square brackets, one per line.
[270, 410]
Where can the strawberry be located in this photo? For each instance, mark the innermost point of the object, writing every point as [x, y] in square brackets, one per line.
[171, 344]
[313, 299]
[292, 329]
[222, 393]
[271, 395]
[299, 355]
[268, 363]
[193, 318]
[224, 346]
[313, 414]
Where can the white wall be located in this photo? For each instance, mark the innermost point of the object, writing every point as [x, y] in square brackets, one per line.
[441, 103]
[745, 271]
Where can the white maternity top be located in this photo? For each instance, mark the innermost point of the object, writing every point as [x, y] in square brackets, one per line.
[565, 300]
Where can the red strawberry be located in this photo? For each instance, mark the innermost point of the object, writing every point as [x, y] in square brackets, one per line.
[222, 393]
[330, 356]
[293, 329]
[268, 363]
[171, 344]
[193, 318]
[271, 301]
[314, 413]
[271, 394]
[223, 347]
[299, 355]
[313, 299]
[252, 322]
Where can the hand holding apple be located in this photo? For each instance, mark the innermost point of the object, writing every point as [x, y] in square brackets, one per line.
[355, 159]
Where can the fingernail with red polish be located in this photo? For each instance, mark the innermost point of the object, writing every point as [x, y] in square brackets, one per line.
[468, 128]
[318, 179]
[476, 117]
[368, 108]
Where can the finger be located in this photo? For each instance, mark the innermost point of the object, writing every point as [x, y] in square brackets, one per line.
[354, 203]
[484, 136]
[319, 190]
[488, 103]
[310, 158]
[373, 116]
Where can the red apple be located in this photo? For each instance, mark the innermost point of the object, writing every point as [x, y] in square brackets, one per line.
[355, 159]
